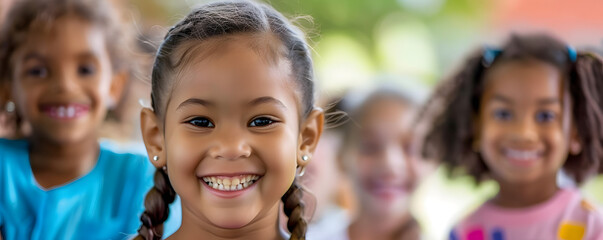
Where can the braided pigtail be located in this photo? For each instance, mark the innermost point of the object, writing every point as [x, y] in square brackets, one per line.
[156, 205]
[294, 207]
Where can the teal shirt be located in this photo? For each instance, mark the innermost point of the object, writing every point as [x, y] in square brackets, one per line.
[106, 203]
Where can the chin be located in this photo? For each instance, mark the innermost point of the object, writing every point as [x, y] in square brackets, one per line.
[230, 220]
[230, 223]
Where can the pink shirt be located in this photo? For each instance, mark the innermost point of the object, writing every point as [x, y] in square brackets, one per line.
[565, 216]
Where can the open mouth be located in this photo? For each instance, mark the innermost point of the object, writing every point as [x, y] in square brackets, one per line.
[522, 155]
[237, 183]
[65, 111]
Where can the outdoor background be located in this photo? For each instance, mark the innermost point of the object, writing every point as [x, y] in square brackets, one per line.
[414, 43]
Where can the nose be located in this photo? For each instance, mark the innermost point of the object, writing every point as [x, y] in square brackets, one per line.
[231, 143]
[393, 161]
[64, 80]
[524, 130]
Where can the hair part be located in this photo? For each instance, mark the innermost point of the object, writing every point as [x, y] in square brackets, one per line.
[453, 108]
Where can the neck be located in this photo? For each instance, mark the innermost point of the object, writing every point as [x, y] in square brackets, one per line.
[519, 195]
[369, 225]
[194, 227]
[55, 163]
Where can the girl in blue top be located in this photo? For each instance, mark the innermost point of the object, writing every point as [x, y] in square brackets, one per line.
[233, 121]
[62, 64]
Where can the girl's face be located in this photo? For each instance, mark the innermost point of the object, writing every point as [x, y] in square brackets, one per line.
[62, 80]
[232, 135]
[524, 124]
[383, 167]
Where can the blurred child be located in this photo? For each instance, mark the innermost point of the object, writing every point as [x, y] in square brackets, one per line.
[233, 122]
[63, 63]
[519, 115]
[378, 153]
[325, 180]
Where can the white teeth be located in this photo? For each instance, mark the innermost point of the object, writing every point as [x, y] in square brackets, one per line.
[61, 111]
[70, 111]
[230, 184]
[522, 155]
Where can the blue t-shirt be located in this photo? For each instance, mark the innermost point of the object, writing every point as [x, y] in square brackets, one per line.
[105, 203]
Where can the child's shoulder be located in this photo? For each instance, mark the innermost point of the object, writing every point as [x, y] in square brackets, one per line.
[583, 216]
[568, 212]
[6, 144]
[121, 155]
[123, 160]
[12, 149]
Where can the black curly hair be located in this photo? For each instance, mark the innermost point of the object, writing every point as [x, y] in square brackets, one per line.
[455, 103]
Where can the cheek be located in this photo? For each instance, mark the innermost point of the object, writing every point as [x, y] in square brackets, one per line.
[363, 166]
[26, 95]
[558, 143]
[489, 141]
[100, 89]
[182, 157]
[280, 154]
[490, 135]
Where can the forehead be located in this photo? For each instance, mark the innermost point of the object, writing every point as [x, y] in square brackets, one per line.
[524, 79]
[64, 35]
[387, 113]
[232, 70]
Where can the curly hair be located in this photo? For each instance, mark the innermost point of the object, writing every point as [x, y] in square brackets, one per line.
[219, 20]
[455, 103]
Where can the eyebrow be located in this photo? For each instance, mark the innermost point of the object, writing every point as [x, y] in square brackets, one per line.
[542, 101]
[548, 101]
[88, 55]
[34, 56]
[502, 99]
[195, 101]
[267, 99]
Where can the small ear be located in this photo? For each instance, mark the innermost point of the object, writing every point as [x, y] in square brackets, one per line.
[309, 134]
[152, 135]
[575, 146]
[118, 84]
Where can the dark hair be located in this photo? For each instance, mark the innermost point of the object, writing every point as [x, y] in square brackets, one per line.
[27, 14]
[219, 20]
[456, 102]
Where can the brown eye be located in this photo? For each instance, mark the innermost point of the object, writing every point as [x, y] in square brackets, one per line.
[38, 72]
[86, 70]
[261, 122]
[502, 114]
[201, 122]
[545, 116]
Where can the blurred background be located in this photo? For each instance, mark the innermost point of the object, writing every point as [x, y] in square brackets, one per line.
[413, 43]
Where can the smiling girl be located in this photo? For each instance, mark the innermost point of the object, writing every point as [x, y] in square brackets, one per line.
[233, 122]
[63, 64]
[519, 115]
